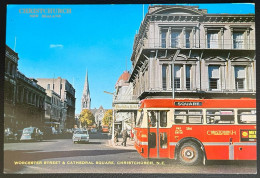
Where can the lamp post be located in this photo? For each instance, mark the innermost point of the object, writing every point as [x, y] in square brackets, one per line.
[113, 117]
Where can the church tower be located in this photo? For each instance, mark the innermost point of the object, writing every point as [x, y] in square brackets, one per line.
[85, 101]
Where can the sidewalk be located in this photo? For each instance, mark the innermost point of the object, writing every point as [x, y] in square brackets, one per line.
[129, 144]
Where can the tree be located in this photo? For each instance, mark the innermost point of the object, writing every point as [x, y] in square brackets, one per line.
[107, 119]
[86, 118]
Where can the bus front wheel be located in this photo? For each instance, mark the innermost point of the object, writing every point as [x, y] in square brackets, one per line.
[190, 154]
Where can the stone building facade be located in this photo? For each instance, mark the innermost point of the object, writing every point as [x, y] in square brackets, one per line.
[99, 115]
[124, 103]
[67, 94]
[11, 63]
[213, 54]
[30, 101]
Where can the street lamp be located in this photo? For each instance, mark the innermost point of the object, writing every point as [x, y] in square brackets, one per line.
[113, 119]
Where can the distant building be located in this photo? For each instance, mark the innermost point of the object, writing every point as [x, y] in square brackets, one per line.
[213, 54]
[124, 103]
[86, 100]
[99, 115]
[67, 93]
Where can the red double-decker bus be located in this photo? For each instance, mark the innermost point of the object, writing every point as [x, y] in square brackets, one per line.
[196, 130]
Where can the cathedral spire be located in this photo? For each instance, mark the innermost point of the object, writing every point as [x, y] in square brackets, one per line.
[85, 102]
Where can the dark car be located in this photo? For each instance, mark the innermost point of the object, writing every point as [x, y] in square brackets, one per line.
[19, 134]
[31, 134]
[9, 135]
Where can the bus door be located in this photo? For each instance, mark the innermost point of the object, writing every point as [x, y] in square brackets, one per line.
[157, 134]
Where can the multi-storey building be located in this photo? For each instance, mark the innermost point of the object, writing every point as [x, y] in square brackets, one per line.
[56, 106]
[11, 63]
[124, 103]
[30, 101]
[67, 94]
[213, 54]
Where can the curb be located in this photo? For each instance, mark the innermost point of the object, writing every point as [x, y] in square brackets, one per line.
[129, 145]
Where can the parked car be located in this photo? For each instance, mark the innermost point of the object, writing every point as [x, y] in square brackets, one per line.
[19, 134]
[9, 135]
[31, 134]
[105, 129]
[49, 131]
[93, 130]
[80, 136]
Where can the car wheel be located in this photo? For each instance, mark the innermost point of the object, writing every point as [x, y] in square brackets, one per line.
[75, 142]
[190, 154]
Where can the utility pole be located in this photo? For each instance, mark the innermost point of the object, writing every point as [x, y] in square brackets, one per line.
[113, 118]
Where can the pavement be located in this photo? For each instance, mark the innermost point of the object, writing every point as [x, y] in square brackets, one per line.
[129, 144]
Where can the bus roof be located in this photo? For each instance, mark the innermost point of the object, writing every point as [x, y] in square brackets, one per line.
[199, 103]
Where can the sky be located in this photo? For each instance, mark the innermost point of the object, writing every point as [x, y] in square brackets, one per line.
[94, 38]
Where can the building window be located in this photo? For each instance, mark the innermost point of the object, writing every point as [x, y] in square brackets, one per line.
[164, 79]
[238, 40]
[213, 77]
[188, 39]
[188, 69]
[240, 77]
[212, 39]
[175, 39]
[163, 38]
[177, 76]
[48, 86]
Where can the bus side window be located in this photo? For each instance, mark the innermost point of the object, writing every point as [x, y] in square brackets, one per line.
[246, 116]
[180, 116]
[188, 117]
[163, 118]
[220, 117]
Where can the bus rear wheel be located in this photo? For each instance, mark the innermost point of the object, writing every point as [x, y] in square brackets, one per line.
[190, 154]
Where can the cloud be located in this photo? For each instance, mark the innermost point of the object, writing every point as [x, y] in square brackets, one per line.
[56, 46]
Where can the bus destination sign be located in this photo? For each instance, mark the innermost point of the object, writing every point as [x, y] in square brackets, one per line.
[184, 103]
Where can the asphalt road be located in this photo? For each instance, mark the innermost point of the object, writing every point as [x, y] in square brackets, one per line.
[62, 156]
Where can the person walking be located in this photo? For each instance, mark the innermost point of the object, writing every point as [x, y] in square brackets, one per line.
[124, 135]
[116, 137]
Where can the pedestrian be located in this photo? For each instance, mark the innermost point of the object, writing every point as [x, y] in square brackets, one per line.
[116, 137]
[132, 135]
[124, 135]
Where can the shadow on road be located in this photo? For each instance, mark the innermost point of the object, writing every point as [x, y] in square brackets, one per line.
[34, 155]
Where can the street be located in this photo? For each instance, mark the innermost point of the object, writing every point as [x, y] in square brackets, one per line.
[62, 156]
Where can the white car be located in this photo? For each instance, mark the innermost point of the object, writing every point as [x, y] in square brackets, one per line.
[80, 136]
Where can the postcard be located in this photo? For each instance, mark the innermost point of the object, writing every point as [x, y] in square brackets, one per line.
[130, 88]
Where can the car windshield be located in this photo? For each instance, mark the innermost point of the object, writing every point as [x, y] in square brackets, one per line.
[28, 130]
[81, 132]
